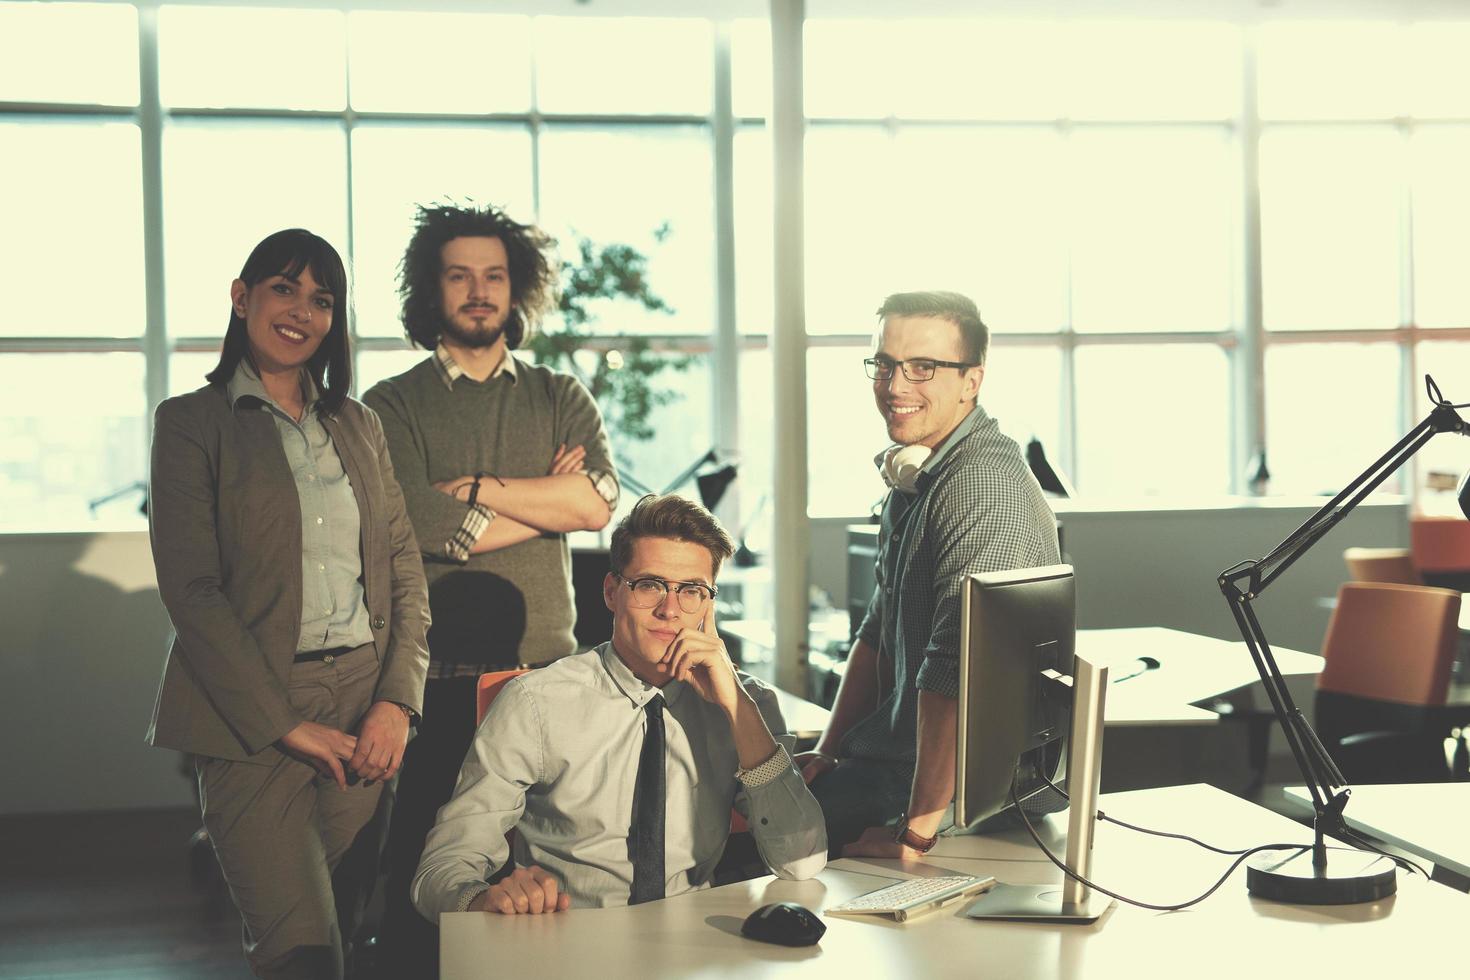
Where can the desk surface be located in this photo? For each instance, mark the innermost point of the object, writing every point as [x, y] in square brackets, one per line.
[803, 718]
[1230, 934]
[1192, 668]
[1431, 820]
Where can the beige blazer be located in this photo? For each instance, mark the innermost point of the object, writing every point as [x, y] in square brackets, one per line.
[225, 524]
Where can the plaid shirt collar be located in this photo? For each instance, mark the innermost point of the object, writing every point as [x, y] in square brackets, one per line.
[450, 371]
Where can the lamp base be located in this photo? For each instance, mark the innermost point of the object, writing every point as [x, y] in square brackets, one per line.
[1346, 876]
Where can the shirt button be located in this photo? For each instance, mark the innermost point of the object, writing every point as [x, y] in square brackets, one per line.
[310, 477]
[321, 568]
[329, 659]
[318, 520]
[378, 622]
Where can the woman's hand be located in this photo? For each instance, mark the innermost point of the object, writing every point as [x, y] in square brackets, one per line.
[381, 739]
[322, 747]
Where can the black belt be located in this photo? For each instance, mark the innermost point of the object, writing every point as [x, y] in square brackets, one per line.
[325, 656]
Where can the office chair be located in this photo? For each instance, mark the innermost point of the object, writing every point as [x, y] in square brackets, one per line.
[1388, 651]
[490, 685]
[1392, 565]
[1441, 550]
[486, 689]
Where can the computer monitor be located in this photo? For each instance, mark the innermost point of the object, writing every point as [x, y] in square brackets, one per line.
[1030, 716]
[1012, 720]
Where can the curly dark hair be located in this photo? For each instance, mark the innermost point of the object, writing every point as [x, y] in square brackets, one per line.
[532, 271]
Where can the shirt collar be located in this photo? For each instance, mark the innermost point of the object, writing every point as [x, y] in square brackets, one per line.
[245, 382]
[450, 371]
[960, 431]
[635, 690]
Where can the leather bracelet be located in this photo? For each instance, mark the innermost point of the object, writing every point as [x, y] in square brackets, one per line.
[911, 838]
[475, 489]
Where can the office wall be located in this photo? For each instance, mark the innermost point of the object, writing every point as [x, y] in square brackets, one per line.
[82, 642]
[83, 634]
[1140, 565]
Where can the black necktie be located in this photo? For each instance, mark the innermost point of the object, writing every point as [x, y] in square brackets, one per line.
[648, 809]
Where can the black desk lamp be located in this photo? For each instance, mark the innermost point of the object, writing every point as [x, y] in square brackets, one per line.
[712, 484]
[1323, 875]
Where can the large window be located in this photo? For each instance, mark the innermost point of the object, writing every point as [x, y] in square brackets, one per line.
[1190, 238]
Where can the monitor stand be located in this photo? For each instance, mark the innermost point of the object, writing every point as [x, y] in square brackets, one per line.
[1072, 901]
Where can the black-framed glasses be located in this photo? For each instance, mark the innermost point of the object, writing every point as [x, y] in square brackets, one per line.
[649, 592]
[915, 369]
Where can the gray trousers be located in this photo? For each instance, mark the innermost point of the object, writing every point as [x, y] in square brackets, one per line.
[280, 829]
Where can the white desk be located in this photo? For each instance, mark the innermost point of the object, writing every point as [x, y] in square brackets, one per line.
[1229, 935]
[1431, 820]
[803, 718]
[1192, 668]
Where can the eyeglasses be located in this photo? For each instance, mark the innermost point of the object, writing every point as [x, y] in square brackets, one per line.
[915, 369]
[649, 592]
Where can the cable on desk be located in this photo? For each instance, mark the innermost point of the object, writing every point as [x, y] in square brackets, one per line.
[1026, 820]
[1348, 836]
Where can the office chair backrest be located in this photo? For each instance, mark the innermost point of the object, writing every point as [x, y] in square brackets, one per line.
[1440, 544]
[489, 686]
[1391, 643]
[1392, 565]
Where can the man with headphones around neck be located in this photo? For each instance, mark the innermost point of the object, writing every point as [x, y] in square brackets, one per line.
[961, 501]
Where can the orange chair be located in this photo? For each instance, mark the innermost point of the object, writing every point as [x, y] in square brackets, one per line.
[490, 685]
[1441, 550]
[1392, 565]
[1388, 652]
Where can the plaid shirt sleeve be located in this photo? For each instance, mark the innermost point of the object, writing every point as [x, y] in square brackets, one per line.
[476, 520]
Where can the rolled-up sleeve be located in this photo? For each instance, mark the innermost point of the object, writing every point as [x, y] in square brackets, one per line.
[467, 844]
[785, 819]
[579, 423]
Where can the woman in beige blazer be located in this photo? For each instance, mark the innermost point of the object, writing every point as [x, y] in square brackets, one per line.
[290, 571]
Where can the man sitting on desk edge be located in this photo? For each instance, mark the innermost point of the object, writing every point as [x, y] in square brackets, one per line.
[618, 768]
[961, 501]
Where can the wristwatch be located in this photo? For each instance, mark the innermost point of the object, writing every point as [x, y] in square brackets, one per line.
[910, 838]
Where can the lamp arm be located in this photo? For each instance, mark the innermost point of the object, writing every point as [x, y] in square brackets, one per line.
[1241, 584]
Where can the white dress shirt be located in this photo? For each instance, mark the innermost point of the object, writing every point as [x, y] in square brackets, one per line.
[556, 757]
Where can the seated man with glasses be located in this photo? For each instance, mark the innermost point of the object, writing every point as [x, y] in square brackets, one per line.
[618, 767]
[961, 501]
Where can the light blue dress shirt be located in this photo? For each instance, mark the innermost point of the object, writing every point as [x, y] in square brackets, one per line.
[333, 609]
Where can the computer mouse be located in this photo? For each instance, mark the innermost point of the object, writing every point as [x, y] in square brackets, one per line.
[784, 923]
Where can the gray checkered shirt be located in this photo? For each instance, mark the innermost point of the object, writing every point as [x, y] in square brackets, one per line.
[977, 509]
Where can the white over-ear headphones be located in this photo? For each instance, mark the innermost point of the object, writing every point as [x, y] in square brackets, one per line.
[900, 466]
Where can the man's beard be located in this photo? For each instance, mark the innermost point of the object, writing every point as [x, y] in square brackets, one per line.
[477, 338]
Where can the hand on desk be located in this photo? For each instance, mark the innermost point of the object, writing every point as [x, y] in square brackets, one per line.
[525, 891]
[878, 842]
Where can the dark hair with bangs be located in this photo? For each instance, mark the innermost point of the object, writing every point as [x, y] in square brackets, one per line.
[286, 253]
[957, 308]
[527, 249]
[669, 516]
